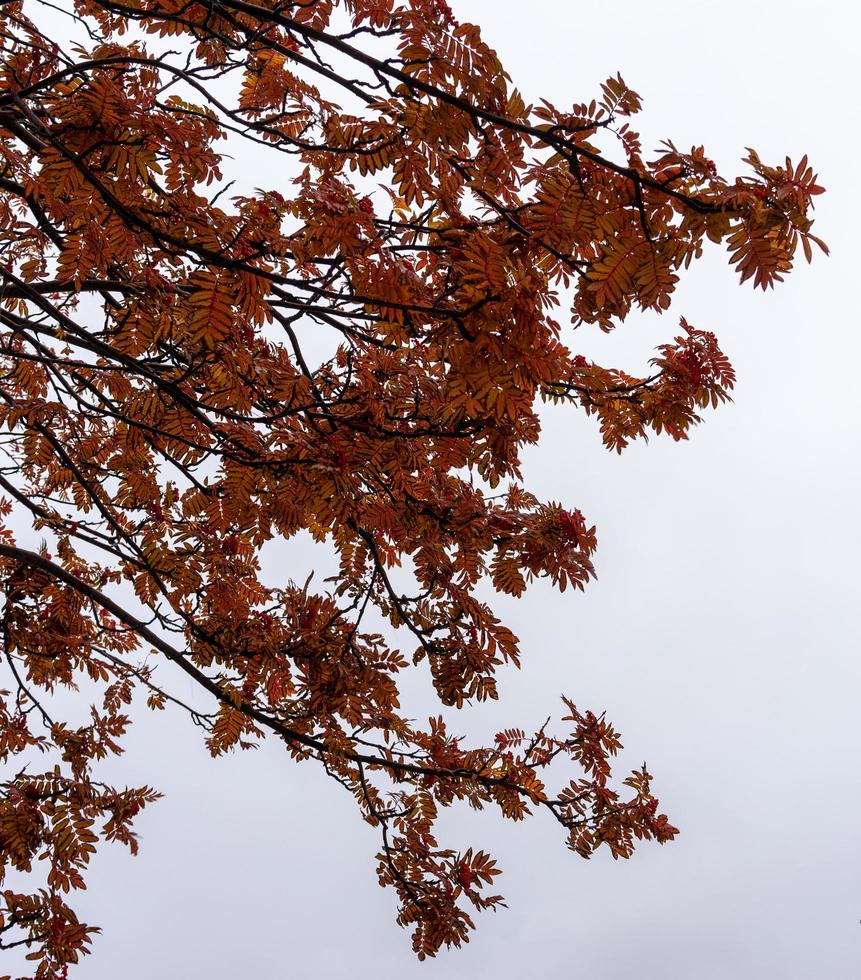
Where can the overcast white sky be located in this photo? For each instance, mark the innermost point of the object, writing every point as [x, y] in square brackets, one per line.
[722, 636]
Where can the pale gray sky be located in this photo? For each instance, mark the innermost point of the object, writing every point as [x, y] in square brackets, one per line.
[722, 636]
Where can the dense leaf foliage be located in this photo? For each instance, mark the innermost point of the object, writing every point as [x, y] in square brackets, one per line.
[166, 411]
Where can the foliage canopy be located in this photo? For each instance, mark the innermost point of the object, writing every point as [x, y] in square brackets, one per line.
[166, 412]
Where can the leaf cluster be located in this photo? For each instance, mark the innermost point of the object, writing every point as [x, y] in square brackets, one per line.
[163, 418]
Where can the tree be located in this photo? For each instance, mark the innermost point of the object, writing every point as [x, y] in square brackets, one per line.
[164, 416]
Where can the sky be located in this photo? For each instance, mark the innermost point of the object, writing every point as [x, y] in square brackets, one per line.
[721, 636]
